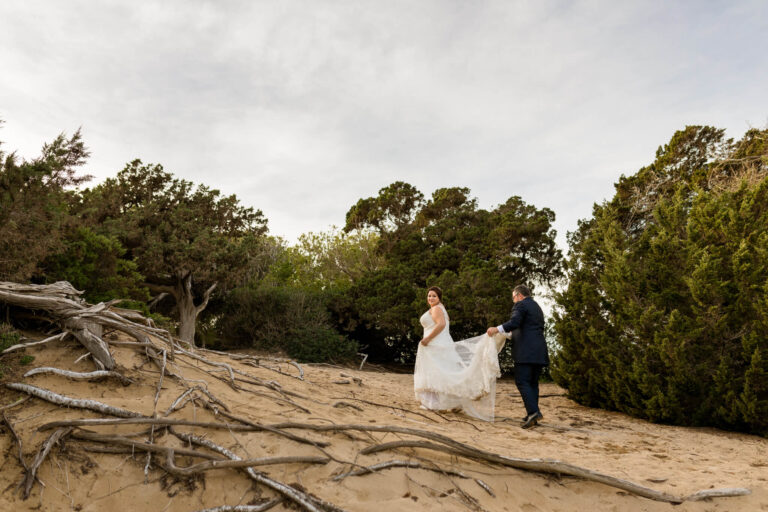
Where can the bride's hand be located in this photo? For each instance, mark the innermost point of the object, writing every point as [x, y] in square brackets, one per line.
[424, 342]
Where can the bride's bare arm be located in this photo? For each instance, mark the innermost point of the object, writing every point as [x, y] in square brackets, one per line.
[437, 315]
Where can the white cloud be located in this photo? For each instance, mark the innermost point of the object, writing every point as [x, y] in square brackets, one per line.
[302, 108]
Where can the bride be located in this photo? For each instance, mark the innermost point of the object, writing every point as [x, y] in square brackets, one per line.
[460, 375]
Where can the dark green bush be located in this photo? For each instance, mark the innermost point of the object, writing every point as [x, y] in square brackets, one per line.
[266, 316]
[317, 344]
[8, 336]
[666, 311]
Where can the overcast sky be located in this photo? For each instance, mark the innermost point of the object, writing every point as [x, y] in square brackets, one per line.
[303, 107]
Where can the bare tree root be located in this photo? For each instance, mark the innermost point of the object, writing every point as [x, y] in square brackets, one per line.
[66, 401]
[60, 303]
[397, 464]
[248, 426]
[201, 467]
[16, 403]
[245, 508]
[18, 441]
[304, 500]
[256, 361]
[42, 453]
[453, 447]
[98, 375]
[138, 445]
[21, 346]
[386, 406]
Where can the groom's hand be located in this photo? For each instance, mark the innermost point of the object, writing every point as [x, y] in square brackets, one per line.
[492, 331]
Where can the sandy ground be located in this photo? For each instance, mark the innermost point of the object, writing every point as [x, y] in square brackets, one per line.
[675, 460]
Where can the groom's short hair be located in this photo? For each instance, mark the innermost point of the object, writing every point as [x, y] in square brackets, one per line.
[522, 290]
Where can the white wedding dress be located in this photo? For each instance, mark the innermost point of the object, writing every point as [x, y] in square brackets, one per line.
[457, 375]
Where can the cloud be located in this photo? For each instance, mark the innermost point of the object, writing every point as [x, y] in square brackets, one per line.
[301, 108]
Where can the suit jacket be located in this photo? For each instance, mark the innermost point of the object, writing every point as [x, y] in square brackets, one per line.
[527, 326]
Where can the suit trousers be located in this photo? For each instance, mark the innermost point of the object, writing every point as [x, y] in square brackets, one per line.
[527, 381]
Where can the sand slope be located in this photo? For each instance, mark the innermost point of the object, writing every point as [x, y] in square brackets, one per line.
[670, 459]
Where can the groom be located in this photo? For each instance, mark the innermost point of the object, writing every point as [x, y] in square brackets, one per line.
[530, 350]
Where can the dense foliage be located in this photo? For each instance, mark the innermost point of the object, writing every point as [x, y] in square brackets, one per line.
[281, 308]
[665, 313]
[186, 241]
[475, 255]
[34, 205]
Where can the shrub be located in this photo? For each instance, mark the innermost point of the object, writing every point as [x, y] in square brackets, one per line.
[266, 316]
[8, 336]
[317, 344]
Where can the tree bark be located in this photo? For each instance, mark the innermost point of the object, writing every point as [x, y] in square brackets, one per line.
[185, 302]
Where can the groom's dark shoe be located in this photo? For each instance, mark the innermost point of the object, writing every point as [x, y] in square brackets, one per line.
[532, 419]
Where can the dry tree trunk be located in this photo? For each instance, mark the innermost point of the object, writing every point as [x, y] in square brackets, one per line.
[63, 305]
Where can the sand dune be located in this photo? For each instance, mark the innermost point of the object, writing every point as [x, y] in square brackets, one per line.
[675, 460]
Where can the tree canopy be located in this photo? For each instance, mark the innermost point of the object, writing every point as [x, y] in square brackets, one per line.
[664, 315]
[475, 255]
[185, 240]
[34, 205]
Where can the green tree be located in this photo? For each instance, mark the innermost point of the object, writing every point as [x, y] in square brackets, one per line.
[33, 205]
[185, 240]
[661, 315]
[286, 306]
[96, 264]
[473, 254]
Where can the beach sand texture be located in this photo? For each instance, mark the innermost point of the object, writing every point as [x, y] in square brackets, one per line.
[675, 460]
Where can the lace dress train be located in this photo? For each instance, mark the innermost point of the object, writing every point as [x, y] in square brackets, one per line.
[460, 375]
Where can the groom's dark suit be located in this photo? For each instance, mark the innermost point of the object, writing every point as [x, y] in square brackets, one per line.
[530, 350]
[527, 326]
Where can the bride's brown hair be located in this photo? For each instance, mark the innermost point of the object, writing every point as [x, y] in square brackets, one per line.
[437, 291]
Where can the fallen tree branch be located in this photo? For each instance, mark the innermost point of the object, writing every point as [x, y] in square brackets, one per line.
[66, 401]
